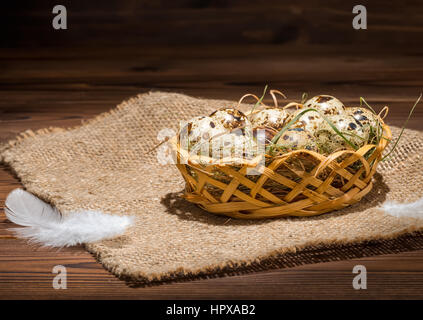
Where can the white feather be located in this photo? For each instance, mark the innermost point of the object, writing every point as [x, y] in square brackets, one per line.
[43, 224]
[410, 209]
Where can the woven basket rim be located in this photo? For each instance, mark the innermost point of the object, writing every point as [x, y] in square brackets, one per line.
[184, 155]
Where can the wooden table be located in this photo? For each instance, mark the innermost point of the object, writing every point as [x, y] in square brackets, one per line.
[45, 87]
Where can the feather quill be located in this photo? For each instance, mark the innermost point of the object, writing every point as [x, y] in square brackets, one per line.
[410, 209]
[43, 224]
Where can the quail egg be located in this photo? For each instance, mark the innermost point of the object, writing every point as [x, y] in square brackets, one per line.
[264, 135]
[328, 105]
[310, 120]
[231, 118]
[200, 130]
[364, 117]
[329, 141]
[272, 117]
[232, 145]
[296, 139]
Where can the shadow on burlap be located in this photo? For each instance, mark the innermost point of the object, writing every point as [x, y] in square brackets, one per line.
[104, 165]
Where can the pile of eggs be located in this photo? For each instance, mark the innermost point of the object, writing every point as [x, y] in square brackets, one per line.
[228, 132]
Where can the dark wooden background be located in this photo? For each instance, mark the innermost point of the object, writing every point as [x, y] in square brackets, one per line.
[218, 49]
[218, 22]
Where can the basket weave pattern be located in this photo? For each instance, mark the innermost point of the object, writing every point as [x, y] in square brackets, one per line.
[330, 183]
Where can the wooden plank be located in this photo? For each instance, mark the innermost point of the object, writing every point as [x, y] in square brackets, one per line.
[218, 22]
[27, 273]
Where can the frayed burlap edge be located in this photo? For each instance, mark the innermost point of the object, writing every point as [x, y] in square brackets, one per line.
[31, 134]
[28, 134]
[408, 240]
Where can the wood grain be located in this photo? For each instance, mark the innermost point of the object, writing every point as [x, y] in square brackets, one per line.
[42, 88]
[199, 22]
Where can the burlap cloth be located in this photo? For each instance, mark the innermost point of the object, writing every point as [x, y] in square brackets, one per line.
[102, 165]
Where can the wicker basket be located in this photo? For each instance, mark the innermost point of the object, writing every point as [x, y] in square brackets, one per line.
[298, 183]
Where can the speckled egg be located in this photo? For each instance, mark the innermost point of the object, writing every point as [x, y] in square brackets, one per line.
[328, 105]
[231, 118]
[329, 141]
[296, 139]
[272, 117]
[232, 145]
[310, 120]
[364, 117]
[264, 135]
[199, 130]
